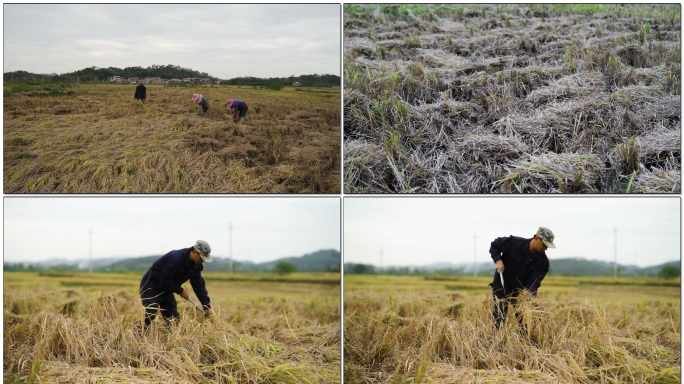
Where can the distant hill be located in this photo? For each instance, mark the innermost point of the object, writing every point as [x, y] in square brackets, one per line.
[648, 271]
[323, 261]
[95, 74]
[170, 71]
[560, 267]
[132, 264]
[584, 267]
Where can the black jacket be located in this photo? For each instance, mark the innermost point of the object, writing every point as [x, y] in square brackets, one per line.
[174, 269]
[522, 269]
[140, 92]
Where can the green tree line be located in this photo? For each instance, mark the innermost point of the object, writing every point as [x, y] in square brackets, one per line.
[305, 80]
[560, 267]
[100, 75]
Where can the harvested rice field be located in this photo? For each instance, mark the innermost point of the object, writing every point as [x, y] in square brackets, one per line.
[95, 138]
[82, 328]
[522, 98]
[410, 329]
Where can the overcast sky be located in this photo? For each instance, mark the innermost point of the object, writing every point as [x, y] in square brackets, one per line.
[421, 231]
[264, 229]
[223, 40]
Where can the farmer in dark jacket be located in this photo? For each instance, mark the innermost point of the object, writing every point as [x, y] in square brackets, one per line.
[238, 106]
[140, 92]
[203, 104]
[165, 276]
[523, 265]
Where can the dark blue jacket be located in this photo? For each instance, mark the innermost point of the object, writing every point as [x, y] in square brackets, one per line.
[174, 269]
[140, 92]
[522, 269]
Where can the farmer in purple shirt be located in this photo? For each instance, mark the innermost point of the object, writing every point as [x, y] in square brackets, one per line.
[239, 106]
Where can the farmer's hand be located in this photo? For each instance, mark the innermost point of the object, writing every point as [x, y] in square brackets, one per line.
[210, 312]
[499, 266]
[185, 294]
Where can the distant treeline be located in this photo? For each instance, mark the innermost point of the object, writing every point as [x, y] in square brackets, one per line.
[304, 80]
[325, 260]
[102, 75]
[559, 267]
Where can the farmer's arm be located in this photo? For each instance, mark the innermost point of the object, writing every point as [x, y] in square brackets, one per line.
[534, 281]
[498, 246]
[200, 289]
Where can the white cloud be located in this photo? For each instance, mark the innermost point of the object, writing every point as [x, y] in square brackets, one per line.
[421, 231]
[263, 228]
[224, 40]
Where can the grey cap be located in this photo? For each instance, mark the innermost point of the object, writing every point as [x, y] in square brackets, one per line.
[547, 236]
[203, 248]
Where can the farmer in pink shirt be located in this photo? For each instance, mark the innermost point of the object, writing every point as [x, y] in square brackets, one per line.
[203, 104]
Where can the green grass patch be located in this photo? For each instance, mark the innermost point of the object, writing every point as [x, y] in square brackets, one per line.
[41, 89]
[465, 288]
[19, 155]
[56, 274]
[91, 284]
[632, 282]
[305, 278]
[668, 12]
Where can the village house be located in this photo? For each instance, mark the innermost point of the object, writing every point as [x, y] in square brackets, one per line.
[296, 84]
[159, 80]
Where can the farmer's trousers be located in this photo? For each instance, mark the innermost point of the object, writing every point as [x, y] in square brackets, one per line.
[243, 112]
[153, 299]
[501, 308]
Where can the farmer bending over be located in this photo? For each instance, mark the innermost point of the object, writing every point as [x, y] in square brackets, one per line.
[238, 106]
[140, 92]
[203, 104]
[165, 276]
[523, 265]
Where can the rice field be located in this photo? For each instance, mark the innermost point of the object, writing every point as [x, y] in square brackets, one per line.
[81, 328]
[91, 138]
[550, 98]
[578, 330]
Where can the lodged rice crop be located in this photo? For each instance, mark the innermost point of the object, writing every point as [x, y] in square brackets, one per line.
[98, 139]
[596, 330]
[512, 98]
[83, 329]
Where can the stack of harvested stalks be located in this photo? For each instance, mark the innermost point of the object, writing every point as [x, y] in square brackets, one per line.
[409, 337]
[58, 336]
